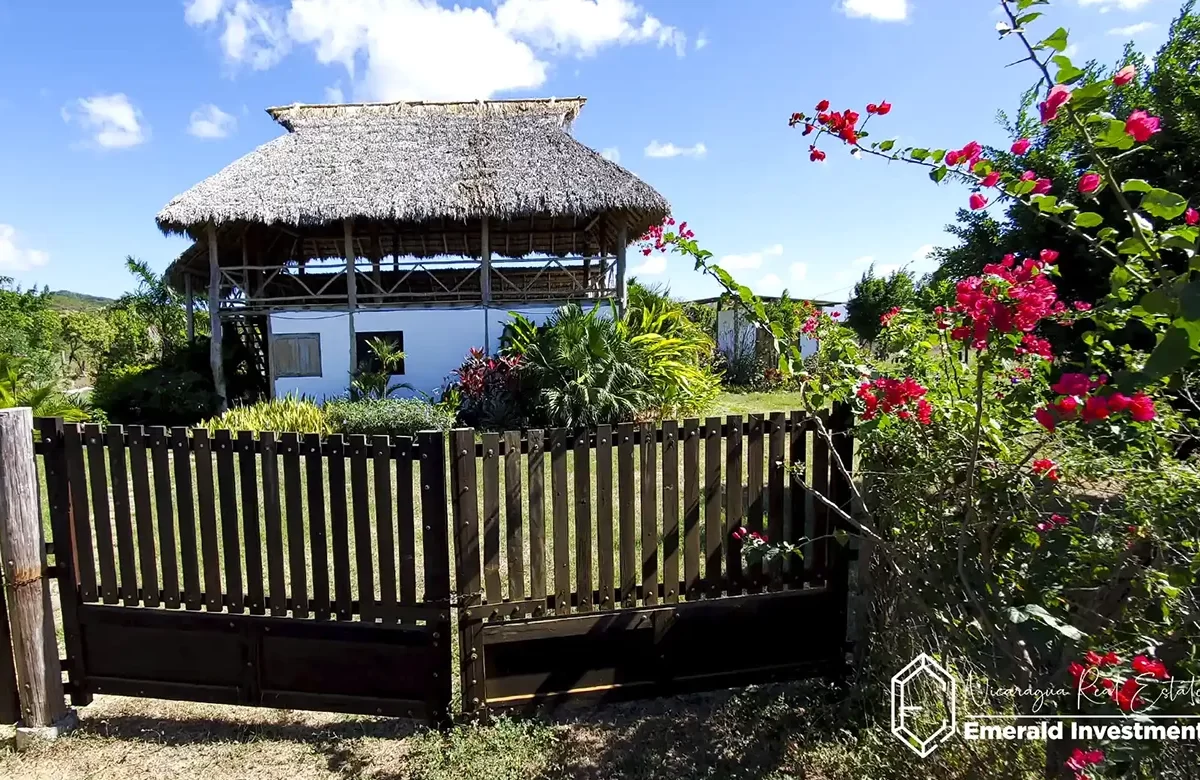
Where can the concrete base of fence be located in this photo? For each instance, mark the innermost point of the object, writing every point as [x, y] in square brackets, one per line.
[28, 736]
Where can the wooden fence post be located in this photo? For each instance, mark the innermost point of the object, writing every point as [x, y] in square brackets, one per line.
[465, 503]
[23, 557]
[841, 493]
[10, 702]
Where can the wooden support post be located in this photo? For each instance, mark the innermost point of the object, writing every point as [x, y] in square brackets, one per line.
[215, 354]
[376, 259]
[622, 245]
[485, 279]
[23, 558]
[351, 291]
[189, 303]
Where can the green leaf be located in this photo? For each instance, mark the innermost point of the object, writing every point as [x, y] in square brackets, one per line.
[1020, 188]
[841, 537]
[1157, 301]
[1066, 629]
[1088, 219]
[920, 154]
[1047, 204]
[1025, 19]
[1163, 204]
[1089, 98]
[1119, 277]
[887, 146]
[937, 174]
[1067, 72]
[1172, 353]
[1133, 246]
[1108, 234]
[1189, 301]
[1135, 185]
[1023, 4]
[1114, 136]
[938, 155]
[1056, 41]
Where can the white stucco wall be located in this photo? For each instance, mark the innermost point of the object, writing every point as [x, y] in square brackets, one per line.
[435, 343]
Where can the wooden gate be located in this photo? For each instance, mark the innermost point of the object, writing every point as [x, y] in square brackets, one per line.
[611, 613]
[159, 542]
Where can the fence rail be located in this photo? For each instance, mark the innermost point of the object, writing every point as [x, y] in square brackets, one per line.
[252, 568]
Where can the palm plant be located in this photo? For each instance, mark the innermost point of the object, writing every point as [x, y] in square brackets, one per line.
[369, 382]
[19, 388]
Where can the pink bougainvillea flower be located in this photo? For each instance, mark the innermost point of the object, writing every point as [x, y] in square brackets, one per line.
[1127, 696]
[1081, 760]
[884, 108]
[1141, 126]
[823, 105]
[977, 201]
[1042, 186]
[992, 179]
[1021, 147]
[1046, 418]
[1059, 519]
[1192, 216]
[1141, 408]
[1152, 666]
[1095, 408]
[1049, 256]
[1044, 467]
[886, 318]
[1028, 176]
[1125, 75]
[815, 154]
[953, 158]
[1072, 384]
[1089, 182]
[1082, 306]
[1059, 95]
[1118, 402]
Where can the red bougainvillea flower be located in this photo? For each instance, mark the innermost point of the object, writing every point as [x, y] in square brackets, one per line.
[1046, 418]
[953, 158]
[1054, 101]
[1072, 384]
[1044, 467]
[898, 396]
[886, 318]
[1094, 408]
[1141, 408]
[1082, 306]
[1151, 666]
[1118, 402]
[1083, 676]
[1028, 176]
[992, 179]
[1066, 407]
[1141, 126]
[823, 105]
[815, 154]
[808, 129]
[1089, 182]
[872, 108]
[1049, 256]
[1021, 147]
[1054, 522]
[835, 314]
[1191, 216]
[1042, 187]
[977, 201]
[1125, 75]
[1081, 760]
[882, 108]
[1126, 696]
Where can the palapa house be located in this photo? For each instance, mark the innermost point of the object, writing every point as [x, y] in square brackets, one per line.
[422, 223]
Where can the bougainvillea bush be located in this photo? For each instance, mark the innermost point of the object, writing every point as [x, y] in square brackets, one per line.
[1028, 520]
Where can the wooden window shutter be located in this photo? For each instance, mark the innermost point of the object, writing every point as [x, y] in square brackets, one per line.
[297, 354]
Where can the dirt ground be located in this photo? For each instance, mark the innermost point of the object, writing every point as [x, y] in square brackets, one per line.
[750, 733]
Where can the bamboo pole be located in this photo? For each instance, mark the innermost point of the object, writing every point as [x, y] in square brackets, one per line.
[622, 245]
[215, 354]
[23, 558]
[351, 291]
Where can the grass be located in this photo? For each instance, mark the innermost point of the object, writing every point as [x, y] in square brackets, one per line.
[757, 403]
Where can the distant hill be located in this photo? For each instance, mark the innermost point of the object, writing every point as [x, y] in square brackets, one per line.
[65, 300]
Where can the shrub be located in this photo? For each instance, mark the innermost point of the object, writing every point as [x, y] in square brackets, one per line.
[489, 390]
[290, 413]
[155, 395]
[387, 416]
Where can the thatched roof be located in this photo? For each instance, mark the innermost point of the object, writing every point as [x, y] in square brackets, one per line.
[416, 164]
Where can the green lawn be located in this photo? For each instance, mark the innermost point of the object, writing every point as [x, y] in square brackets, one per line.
[757, 403]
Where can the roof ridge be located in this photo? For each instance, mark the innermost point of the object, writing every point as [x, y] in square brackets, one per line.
[567, 108]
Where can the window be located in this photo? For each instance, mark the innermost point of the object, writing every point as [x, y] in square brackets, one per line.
[297, 354]
[366, 356]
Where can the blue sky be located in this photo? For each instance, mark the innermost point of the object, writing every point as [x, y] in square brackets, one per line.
[112, 108]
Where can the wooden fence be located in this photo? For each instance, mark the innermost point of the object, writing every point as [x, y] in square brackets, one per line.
[315, 573]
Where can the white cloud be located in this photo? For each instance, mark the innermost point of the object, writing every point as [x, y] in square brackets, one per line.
[334, 94]
[611, 153]
[431, 49]
[253, 34]
[14, 257]
[1133, 29]
[1108, 5]
[654, 264]
[772, 284]
[112, 119]
[751, 260]
[880, 10]
[655, 149]
[923, 252]
[584, 26]
[211, 122]
[701, 41]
